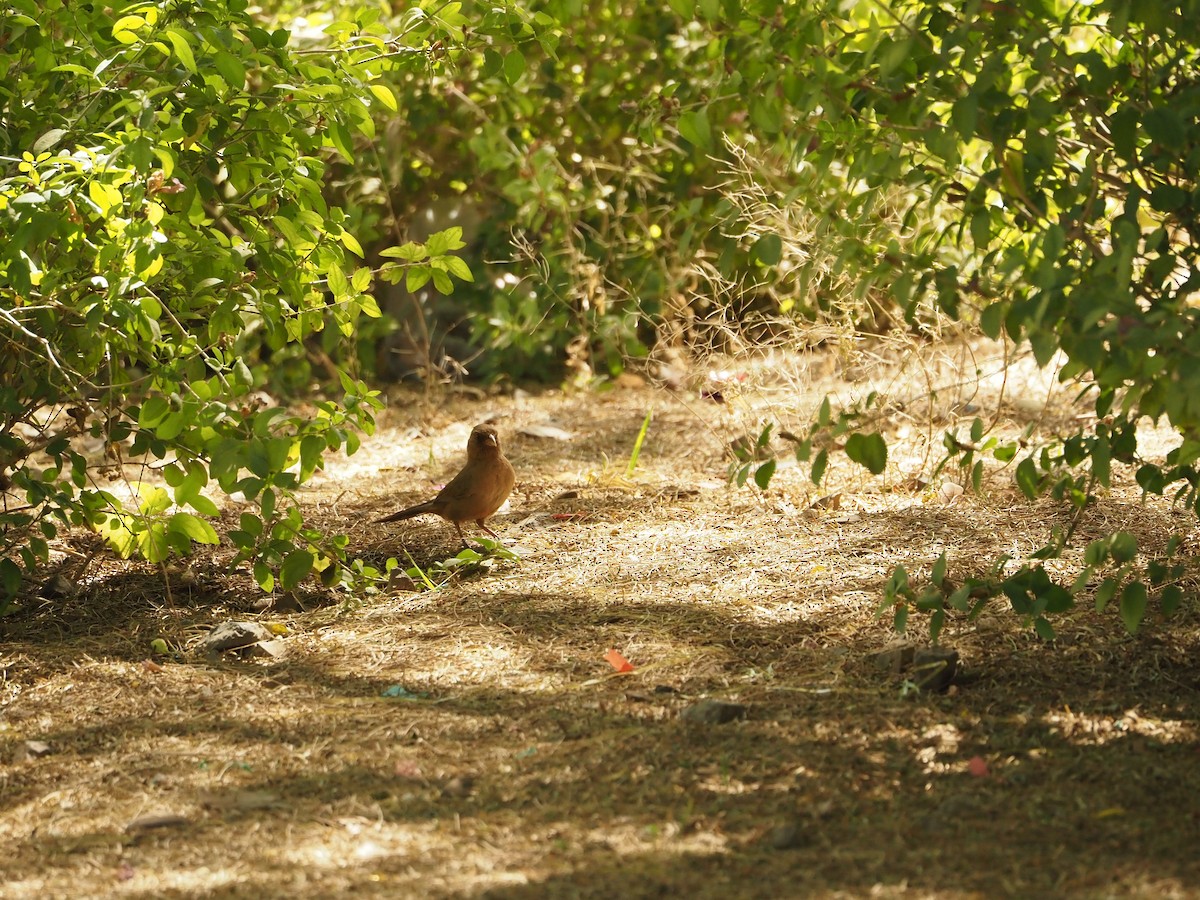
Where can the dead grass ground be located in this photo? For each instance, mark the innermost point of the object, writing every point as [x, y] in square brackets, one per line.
[515, 763]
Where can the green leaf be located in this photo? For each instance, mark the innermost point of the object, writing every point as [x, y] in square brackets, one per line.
[1027, 477]
[153, 411]
[263, 576]
[1172, 596]
[295, 568]
[339, 136]
[762, 475]
[153, 544]
[446, 240]
[1043, 628]
[183, 48]
[981, 228]
[458, 268]
[1165, 125]
[1123, 547]
[868, 450]
[1095, 553]
[10, 578]
[820, 464]
[964, 114]
[230, 68]
[936, 622]
[409, 251]
[1133, 605]
[825, 413]
[416, 278]
[1105, 593]
[694, 128]
[155, 501]
[193, 528]
[960, 598]
[493, 62]
[350, 242]
[311, 448]
[203, 505]
[1101, 461]
[384, 95]
[768, 249]
[514, 66]
[991, 321]
[938, 575]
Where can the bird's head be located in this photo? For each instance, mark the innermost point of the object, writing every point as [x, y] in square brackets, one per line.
[485, 440]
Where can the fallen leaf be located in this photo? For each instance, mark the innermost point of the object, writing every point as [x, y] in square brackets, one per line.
[713, 712]
[618, 662]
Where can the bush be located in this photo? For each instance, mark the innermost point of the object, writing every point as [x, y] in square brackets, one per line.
[161, 192]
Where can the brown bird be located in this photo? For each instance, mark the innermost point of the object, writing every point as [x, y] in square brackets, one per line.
[476, 492]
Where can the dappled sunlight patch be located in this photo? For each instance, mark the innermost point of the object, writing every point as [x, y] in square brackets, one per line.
[1097, 729]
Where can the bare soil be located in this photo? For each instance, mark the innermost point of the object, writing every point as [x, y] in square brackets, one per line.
[474, 742]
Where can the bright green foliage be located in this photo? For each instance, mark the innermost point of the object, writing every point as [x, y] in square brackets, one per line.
[1034, 595]
[1065, 138]
[167, 241]
[1043, 158]
[602, 151]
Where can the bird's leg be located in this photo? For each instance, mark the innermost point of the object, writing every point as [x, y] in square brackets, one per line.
[462, 537]
[479, 522]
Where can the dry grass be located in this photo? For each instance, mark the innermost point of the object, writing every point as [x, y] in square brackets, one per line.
[519, 765]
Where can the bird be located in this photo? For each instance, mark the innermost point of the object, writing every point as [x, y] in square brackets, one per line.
[476, 492]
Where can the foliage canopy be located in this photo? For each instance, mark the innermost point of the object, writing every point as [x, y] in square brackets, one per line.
[188, 190]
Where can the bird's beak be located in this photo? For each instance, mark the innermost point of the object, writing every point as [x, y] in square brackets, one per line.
[490, 439]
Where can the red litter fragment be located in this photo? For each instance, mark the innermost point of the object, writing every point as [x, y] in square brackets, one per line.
[618, 662]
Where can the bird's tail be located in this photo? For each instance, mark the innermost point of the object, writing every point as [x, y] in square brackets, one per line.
[418, 510]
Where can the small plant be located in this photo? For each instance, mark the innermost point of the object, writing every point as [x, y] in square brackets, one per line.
[1111, 571]
[467, 561]
[637, 444]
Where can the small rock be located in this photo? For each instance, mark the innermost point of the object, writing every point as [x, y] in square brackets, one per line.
[31, 750]
[459, 786]
[713, 712]
[401, 581]
[829, 501]
[235, 636]
[949, 492]
[547, 431]
[894, 658]
[934, 668]
[786, 837]
[57, 586]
